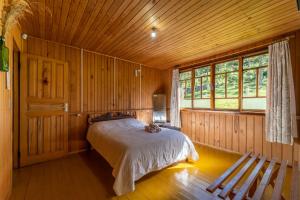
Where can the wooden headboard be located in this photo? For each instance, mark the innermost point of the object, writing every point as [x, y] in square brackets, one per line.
[97, 117]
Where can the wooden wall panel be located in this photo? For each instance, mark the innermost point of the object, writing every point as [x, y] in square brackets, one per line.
[98, 84]
[151, 83]
[109, 84]
[233, 132]
[128, 86]
[6, 99]
[167, 85]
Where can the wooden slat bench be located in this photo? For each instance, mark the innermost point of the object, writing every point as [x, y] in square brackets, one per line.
[256, 174]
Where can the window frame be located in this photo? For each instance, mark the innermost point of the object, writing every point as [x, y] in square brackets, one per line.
[212, 65]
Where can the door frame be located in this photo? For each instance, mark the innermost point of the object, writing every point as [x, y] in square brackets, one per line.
[16, 105]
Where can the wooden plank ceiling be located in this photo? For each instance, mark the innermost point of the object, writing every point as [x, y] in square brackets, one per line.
[187, 29]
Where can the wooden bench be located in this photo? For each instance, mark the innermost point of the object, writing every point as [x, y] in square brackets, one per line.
[255, 173]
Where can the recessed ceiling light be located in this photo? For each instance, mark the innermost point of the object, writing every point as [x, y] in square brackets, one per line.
[153, 32]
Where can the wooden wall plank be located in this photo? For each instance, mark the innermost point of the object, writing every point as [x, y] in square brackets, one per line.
[250, 128]
[242, 134]
[207, 131]
[193, 126]
[211, 136]
[202, 128]
[229, 132]
[235, 138]
[258, 134]
[222, 131]
[217, 130]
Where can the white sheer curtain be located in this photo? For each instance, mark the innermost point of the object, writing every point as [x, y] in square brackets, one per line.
[175, 100]
[281, 124]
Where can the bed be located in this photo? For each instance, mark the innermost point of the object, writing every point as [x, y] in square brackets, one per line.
[133, 153]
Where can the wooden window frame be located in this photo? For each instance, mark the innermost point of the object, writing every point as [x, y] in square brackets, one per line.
[240, 71]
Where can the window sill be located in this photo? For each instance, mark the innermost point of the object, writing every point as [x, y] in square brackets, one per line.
[246, 112]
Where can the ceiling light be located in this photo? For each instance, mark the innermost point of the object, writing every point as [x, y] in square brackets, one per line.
[24, 36]
[153, 32]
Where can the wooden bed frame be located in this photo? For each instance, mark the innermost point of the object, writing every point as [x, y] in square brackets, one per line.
[97, 117]
[262, 174]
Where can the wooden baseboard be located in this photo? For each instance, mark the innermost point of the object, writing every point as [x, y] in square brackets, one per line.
[218, 148]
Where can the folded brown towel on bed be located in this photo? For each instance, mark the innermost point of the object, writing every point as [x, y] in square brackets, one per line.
[152, 128]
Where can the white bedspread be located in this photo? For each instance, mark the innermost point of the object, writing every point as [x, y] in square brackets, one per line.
[132, 152]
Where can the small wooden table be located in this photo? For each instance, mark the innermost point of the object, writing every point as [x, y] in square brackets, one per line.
[262, 174]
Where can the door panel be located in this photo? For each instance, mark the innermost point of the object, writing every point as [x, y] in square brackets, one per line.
[44, 101]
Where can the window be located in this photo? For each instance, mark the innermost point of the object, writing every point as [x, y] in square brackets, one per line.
[255, 82]
[202, 88]
[239, 84]
[227, 85]
[186, 89]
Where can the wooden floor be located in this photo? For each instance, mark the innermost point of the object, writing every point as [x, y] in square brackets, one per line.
[87, 176]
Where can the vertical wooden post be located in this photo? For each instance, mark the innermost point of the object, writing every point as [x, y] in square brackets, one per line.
[193, 85]
[81, 80]
[240, 82]
[212, 87]
[114, 84]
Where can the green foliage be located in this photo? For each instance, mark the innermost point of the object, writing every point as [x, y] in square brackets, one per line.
[205, 87]
[203, 71]
[262, 82]
[185, 75]
[227, 66]
[249, 83]
[220, 86]
[233, 84]
[256, 61]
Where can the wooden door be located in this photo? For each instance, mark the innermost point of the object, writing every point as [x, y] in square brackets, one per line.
[43, 109]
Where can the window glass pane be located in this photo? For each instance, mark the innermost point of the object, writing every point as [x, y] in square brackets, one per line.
[184, 103]
[254, 103]
[227, 103]
[186, 75]
[220, 86]
[206, 87]
[188, 89]
[262, 81]
[197, 89]
[256, 61]
[182, 89]
[249, 83]
[233, 84]
[202, 103]
[203, 71]
[227, 66]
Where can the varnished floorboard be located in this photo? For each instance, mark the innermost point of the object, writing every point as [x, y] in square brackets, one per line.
[87, 176]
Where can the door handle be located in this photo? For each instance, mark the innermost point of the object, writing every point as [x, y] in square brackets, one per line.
[66, 107]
